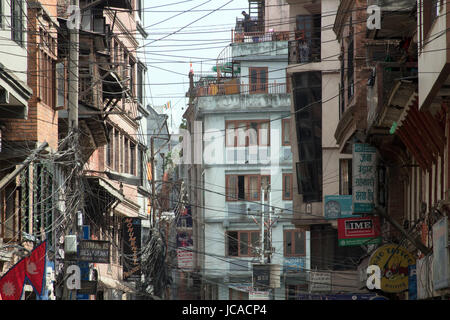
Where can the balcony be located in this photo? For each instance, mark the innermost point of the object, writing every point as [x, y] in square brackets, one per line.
[233, 86]
[389, 89]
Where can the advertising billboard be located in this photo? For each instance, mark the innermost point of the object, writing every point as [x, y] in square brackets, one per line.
[358, 231]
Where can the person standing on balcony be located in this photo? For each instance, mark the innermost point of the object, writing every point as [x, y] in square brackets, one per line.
[246, 21]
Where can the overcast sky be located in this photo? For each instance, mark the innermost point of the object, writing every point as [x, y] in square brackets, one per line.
[200, 41]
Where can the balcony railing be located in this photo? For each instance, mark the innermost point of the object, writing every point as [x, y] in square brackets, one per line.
[258, 36]
[233, 86]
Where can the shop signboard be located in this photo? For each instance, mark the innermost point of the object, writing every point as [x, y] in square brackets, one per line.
[393, 261]
[358, 231]
[131, 249]
[94, 251]
[338, 206]
[363, 178]
[185, 257]
[294, 264]
[441, 272]
[320, 281]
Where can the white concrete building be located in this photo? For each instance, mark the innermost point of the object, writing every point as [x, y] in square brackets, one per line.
[241, 121]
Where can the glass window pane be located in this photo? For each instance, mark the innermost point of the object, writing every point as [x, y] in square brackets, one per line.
[288, 242]
[243, 244]
[232, 239]
[254, 192]
[230, 133]
[252, 134]
[241, 132]
[299, 238]
[264, 134]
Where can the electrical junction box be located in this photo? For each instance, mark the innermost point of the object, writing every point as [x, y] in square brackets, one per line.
[70, 244]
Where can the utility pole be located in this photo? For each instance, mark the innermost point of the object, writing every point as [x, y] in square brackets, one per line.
[73, 76]
[152, 164]
[262, 226]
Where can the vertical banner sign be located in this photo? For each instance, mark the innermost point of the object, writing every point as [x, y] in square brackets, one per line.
[441, 274]
[131, 249]
[364, 170]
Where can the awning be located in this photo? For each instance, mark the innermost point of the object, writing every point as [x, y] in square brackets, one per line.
[14, 95]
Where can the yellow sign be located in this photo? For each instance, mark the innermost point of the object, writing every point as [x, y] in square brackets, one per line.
[393, 261]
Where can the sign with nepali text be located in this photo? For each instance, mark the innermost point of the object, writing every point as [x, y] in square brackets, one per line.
[363, 180]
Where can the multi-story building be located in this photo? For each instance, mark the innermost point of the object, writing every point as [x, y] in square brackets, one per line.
[320, 170]
[240, 117]
[393, 98]
[110, 108]
[29, 129]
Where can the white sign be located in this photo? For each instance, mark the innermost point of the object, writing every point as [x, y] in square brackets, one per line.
[320, 282]
[185, 257]
[374, 19]
[363, 181]
[74, 280]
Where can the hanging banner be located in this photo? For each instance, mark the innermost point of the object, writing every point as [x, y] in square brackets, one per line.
[131, 249]
[358, 231]
[363, 179]
[394, 262]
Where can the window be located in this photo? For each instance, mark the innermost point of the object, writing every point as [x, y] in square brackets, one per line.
[265, 184]
[17, 21]
[116, 150]
[287, 186]
[242, 243]
[132, 158]
[109, 149]
[140, 84]
[244, 133]
[294, 243]
[286, 132]
[258, 80]
[126, 150]
[245, 187]
[345, 176]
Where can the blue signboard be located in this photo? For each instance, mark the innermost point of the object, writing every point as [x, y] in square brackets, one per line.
[338, 206]
[412, 282]
[84, 266]
[294, 264]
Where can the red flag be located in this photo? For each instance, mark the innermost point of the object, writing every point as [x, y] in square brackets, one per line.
[35, 267]
[11, 284]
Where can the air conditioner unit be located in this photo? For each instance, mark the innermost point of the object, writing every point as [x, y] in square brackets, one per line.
[4, 96]
[70, 244]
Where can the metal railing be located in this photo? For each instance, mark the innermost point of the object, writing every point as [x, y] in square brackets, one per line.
[235, 87]
[258, 36]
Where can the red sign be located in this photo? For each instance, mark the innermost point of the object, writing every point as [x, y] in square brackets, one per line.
[357, 231]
